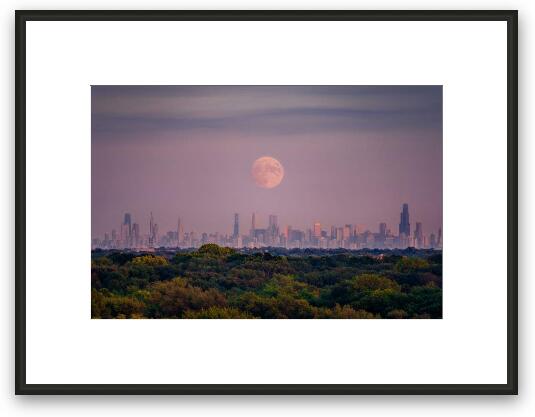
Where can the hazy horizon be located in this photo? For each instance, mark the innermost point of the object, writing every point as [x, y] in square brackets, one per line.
[351, 155]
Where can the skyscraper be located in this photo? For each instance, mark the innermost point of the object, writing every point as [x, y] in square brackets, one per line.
[126, 230]
[382, 229]
[288, 232]
[124, 235]
[236, 232]
[179, 232]
[135, 234]
[272, 221]
[253, 226]
[317, 230]
[128, 222]
[419, 235]
[346, 232]
[432, 241]
[155, 239]
[273, 230]
[404, 224]
[151, 230]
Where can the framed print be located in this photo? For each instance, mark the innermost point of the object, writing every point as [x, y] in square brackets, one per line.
[266, 202]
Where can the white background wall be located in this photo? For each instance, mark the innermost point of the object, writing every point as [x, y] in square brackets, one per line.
[10, 405]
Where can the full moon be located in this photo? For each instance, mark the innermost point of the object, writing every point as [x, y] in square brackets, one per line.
[267, 172]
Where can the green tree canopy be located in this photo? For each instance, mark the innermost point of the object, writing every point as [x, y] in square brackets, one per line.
[215, 250]
[150, 260]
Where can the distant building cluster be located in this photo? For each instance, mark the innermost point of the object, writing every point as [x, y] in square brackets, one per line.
[348, 236]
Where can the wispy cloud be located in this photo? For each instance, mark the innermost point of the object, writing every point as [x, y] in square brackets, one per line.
[276, 109]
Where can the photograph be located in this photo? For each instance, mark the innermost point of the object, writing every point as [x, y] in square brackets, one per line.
[266, 202]
[262, 187]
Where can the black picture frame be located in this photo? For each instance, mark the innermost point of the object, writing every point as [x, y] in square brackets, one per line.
[509, 16]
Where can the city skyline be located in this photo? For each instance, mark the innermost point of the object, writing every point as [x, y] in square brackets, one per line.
[129, 235]
[349, 154]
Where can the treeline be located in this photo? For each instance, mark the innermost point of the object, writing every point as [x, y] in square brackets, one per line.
[216, 282]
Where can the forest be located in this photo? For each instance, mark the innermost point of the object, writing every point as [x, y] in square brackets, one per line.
[216, 282]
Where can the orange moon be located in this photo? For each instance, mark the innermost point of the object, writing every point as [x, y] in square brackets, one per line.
[267, 172]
